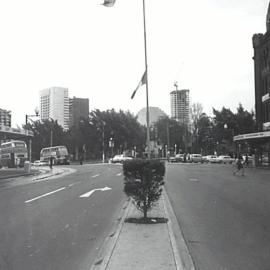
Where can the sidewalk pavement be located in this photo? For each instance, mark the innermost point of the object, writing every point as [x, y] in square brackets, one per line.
[11, 173]
[20, 177]
[146, 246]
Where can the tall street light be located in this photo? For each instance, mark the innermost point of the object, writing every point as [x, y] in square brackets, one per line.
[29, 116]
[110, 3]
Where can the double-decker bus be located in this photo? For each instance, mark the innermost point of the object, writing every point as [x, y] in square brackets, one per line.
[58, 153]
[13, 153]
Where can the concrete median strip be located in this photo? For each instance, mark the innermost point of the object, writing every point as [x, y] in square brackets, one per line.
[145, 246]
[110, 242]
[181, 253]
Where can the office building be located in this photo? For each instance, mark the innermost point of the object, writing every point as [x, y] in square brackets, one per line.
[261, 45]
[180, 106]
[78, 110]
[259, 143]
[5, 118]
[54, 104]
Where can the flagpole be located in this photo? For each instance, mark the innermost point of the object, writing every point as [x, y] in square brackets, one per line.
[147, 100]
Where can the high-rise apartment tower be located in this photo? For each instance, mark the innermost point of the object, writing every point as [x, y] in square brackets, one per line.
[180, 105]
[54, 104]
[5, 118]
[78, 110]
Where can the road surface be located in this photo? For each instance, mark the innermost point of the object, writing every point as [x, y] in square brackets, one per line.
[59, 224]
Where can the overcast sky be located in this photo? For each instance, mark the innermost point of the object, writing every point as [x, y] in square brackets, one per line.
[98, 52]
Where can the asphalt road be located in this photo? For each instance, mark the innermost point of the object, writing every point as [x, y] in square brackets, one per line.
[59, 224]
[224, 218]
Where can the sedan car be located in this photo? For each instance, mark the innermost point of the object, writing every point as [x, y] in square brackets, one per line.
[120, 158]
[177, 158]
[196, 158]
[38, 163]
[211, 159]
[225, 159]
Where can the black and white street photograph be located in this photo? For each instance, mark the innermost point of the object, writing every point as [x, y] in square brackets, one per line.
[135, 135]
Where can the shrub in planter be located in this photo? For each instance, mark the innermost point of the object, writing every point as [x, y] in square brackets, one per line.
[143, 180]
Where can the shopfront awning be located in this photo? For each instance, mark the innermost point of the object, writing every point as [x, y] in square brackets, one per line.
[252, 136]
[14, 133]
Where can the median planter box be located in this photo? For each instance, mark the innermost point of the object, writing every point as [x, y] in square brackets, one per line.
[143, 181]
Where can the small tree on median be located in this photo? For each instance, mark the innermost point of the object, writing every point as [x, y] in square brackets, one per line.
[143, 181]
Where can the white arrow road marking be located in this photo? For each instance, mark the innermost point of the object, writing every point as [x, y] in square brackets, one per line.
[44, 195]
[96, 175]
[88, 194]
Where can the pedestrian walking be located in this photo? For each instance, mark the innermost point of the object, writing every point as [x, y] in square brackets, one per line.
[51, 162]
[246, 159]
[81, 159]
[239, 165]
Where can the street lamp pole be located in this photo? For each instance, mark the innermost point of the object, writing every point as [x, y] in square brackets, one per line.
[103, 144]
[30, 140]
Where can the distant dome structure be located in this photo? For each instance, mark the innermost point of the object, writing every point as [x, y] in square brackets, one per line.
[154, 114]
[268, 19]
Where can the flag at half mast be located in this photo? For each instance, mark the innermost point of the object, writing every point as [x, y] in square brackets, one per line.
[142, 82]
[108, 3]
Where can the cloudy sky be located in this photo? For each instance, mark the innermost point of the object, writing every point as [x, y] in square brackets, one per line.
[98, 52]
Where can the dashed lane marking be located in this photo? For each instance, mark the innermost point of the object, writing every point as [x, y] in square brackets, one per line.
[193, 180]
[96, 175]
[44, 195]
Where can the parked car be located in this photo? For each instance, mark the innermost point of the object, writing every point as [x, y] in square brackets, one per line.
[38, 163]
[177, 158]
[225, 159]
[196, 158]
[120, 158]
[211, 159]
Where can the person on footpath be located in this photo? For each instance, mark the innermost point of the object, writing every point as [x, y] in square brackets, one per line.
[51, 162]
[81, 159]
[239, 165]
[246, 160]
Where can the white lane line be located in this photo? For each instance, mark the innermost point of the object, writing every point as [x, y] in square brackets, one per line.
[119, 174]
[44, 195]
[73, 184]
[96, 175]
[193, 180]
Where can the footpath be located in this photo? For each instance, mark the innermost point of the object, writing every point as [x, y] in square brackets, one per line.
[14, 177]
[134, 246]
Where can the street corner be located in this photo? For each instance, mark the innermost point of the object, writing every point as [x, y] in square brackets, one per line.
[47, 173]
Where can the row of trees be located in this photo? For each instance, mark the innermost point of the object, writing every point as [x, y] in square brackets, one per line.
[90, 137]
[205, 134]
[111, 132]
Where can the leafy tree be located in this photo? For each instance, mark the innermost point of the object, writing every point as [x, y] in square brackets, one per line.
[170, 132]
[227, 124]
[46, 132]
[121, 126]
[205, 134]
[143, 182]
